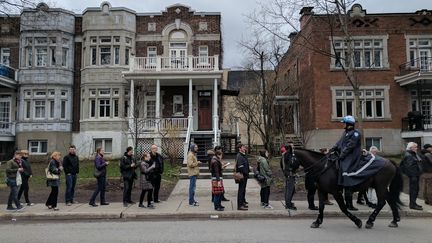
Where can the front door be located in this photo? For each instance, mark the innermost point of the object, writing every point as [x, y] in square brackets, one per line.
[425, 59]
[178, 56]
[204, 110]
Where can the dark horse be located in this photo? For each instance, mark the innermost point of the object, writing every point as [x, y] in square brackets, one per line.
[323, 168]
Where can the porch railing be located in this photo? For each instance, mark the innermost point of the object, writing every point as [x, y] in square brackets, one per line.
[421, 65]
[7, 72]
[160, 63]
[416, 123]
[162, 124]
[7, 128]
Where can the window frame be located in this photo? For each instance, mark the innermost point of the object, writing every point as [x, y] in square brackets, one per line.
[103, 144]
[38, 147]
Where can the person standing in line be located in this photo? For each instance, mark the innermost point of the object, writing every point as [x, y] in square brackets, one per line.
[54, 168]
[71, 170]
[427, 161]
[411, 166]
[13, 166]
[193, 172]
[216, 168]
[127, 169]
[146, 186]
[156, 159]
[100, 174]
[25, 176]
[242, 166]
[289, 166]
[264, 170]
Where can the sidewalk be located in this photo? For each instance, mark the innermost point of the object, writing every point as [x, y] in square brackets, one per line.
[176, 207]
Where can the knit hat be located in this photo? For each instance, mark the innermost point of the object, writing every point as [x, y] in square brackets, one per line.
[192, 147]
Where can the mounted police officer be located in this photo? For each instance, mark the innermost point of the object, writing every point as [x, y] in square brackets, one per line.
[349, 147]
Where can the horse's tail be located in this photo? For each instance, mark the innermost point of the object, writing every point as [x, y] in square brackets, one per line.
[396, 187]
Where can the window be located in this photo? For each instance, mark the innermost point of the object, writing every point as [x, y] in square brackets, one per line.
[106, 39]
[41, 56]
[151, 54]
[93, 56]
[151, 108]
[116, 39]
[5, 112]
[127, 53]
[41, 41]
[39, 109]
[117, 55]
[116, 108]
[367, 53]
[27, 109]
[203, 54]
[104, 92]
[420, 52]
[92, 108]
[105, 55]
[373, 142]
[5, 56]
[372, 102]
[178, 105]
[29, 56]
[63, 109]
[104, 107]
[38, 146]
[53, 56]
[64, 57]
[104, 143]
[128, 40]
[51, 109]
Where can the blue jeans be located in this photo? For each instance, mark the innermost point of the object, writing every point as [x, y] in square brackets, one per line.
[13, 195]
[101, 184]
[70, 188]
[217, 201]
[192, 187]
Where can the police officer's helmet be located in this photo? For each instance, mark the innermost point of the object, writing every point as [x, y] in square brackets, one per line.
[348, 120]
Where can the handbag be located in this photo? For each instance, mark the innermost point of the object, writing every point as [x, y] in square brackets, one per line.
[217, 190]
[96, 172]
[238, 177]
[258, 176]
[18, 179]
[51, 176]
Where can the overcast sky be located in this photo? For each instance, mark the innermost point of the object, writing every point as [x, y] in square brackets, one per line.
[234, 24]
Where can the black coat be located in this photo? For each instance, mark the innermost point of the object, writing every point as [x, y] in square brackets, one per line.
[289, 164]
[427, 161]
[126, 169]
[411, 164]
[242, 164]
[159, 167]
[71, 164]
[349, 147]
[27, 167]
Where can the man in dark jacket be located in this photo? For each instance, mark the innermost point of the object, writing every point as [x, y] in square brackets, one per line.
[156, 178]
[349, 147]
[289, 166]
[25, 176]
[127, 169]
[12, 167]
[411, 166]
[71, 169]
[242, 166]
[427, 160]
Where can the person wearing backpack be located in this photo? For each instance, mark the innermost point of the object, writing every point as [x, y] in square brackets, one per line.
[263, 169]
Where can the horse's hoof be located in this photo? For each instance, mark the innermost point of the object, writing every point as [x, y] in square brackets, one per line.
[315, 225]
[369, 225]
[359, 223]
[393, 224]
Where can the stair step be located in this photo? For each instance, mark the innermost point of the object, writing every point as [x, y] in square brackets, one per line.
[206, 170]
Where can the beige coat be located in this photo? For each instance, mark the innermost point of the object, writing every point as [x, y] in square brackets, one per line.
[192, 164]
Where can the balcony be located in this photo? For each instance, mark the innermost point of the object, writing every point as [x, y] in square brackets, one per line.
[416, 123]
[415, 70]
[142, 125]
[7, 129]
[7, 72]
[174, 64]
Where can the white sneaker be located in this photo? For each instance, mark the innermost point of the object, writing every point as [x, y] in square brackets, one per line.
[268, 207]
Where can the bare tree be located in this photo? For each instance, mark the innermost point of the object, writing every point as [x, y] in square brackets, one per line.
[8, 7]
[279, 18]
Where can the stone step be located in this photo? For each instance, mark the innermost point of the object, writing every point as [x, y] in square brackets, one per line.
[206, 170]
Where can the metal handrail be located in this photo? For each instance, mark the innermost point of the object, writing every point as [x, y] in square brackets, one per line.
[421, 64]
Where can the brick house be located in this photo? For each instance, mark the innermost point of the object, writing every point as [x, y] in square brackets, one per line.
[111, 78]
[392, 60]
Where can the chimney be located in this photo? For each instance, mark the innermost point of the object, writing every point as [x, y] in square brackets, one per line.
[291, 36]
[305, 14]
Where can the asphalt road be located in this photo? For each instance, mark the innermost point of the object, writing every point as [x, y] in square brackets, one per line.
[214, 230]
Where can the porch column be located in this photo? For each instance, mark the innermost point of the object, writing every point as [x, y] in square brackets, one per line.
[215, 113]
[132, 99]
[190, 103]
[157, 113]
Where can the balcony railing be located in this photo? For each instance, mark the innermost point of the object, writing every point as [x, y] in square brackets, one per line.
[158, 125]
[7, 128]
[161, 64]
[416, 123]
[421, 65]
[7, 72]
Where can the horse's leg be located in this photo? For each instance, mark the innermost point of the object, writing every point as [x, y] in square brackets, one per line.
[340, 201]
[319, 220]
[395, 213]
[382, 192]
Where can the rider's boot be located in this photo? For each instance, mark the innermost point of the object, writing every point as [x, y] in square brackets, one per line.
[348, 200]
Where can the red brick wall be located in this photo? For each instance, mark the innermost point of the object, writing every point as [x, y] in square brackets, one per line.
[13, 23]
[315, 67]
